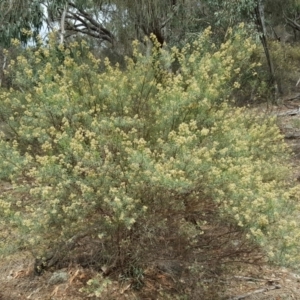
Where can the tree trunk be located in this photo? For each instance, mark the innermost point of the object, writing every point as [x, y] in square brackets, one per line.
[261, 26]
[62, 24]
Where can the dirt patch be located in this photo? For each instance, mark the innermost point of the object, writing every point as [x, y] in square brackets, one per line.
[18, 281]
[263, 283]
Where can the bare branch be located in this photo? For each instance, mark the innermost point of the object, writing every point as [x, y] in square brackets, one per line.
[262, 290]
[97, 35]
[293, 23]
[83, 22]
[91, 26]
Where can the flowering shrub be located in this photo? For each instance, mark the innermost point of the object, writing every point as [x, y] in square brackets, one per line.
[285, 58]
[123, 153]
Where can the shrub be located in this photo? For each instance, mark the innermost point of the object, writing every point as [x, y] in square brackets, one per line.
[286, 58]
[137, 157]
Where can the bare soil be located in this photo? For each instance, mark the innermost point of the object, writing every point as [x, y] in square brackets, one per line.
[18, 282]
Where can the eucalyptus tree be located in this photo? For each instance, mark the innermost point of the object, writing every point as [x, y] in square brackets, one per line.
[226, 14]
[104, 20]
[119, 22]
[284, 14]
[16, 15]
[113, 24]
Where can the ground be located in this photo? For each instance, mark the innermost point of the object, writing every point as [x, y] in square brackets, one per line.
[18, 280]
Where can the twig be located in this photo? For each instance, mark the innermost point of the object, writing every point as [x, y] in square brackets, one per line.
[256, 279]
[292, 112]
[3, 68]
[294, 97]
[262, 290]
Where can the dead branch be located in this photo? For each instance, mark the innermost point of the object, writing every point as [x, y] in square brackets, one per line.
[292, 112]
[90, 23]
[269, 280]
[52, 258]
[262, 290]
[292, 23]
[294, 97]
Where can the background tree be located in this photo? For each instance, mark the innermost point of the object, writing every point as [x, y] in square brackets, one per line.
[16, 15]
[110, 26]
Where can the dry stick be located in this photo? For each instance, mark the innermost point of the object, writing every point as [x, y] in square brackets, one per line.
[262, 290]
[3, 68]
[291, 112]
[294, 97]
[256, 279]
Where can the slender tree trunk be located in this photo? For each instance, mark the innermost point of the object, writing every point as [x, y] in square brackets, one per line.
[261, 26]
[62, 24]
[3, 69]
